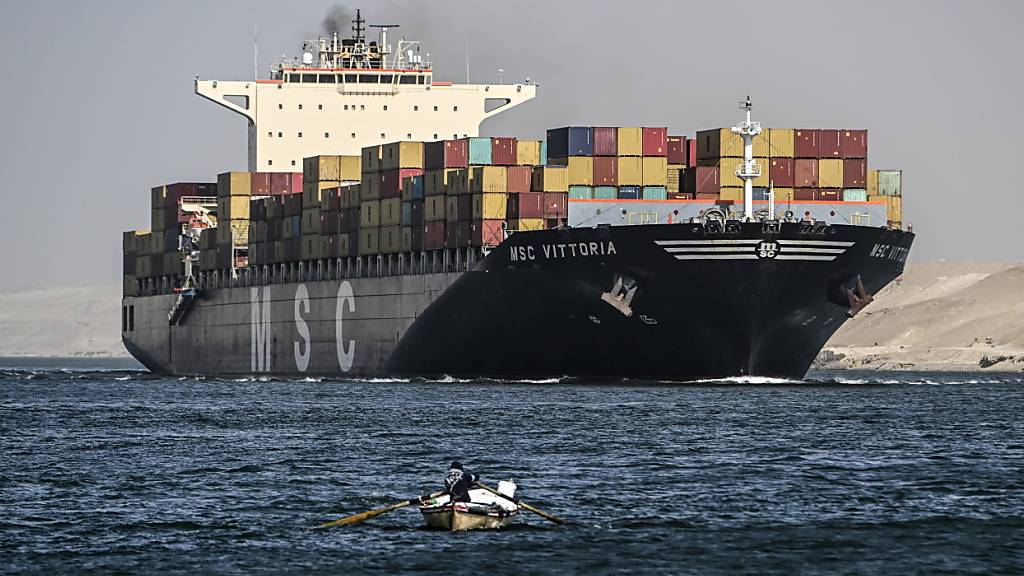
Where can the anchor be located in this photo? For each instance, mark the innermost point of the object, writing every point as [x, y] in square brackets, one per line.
[859, 300]
[621, 295]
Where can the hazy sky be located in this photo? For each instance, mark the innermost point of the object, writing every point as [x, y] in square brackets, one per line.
[98, 105]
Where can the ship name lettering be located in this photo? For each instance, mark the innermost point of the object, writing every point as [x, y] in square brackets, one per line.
[260, 331]
[302, 348]
[890, 252]
[521, 254]
[569, 250]
[346, 354]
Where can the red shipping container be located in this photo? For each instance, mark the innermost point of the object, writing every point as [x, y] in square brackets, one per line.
[526, 205]
[805, 173]
[451, 235]
[677, 150]
[855, 173]
[805, 194]
[691, 152]
[446, 154]
[518, 178]
[805, 143]
[280, 183]
[606, 171]
[503, 151]
[700, 196]
[780, 172]
[829, 145]
[391, 181]
[486, 232]
[606, 141]
[830, 195]
[556, 205]
[655, 141]
[702, 180]
[433, 235]
[260, 184]
[348, 220]
[295, 185]
[855, 143]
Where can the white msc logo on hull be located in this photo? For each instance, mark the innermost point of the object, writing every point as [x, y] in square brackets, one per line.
[261, 351]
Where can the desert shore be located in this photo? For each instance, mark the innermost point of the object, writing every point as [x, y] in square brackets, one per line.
[941, 316]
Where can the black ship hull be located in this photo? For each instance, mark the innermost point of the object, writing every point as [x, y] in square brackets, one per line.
[668, 302]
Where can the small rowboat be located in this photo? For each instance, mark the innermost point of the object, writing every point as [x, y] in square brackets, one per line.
[484, 511]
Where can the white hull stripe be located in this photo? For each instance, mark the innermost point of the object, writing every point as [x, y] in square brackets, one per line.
[821, 243]
[804, 257]
[788, 250]
[694, 249]
[722, 242]
[716, 257]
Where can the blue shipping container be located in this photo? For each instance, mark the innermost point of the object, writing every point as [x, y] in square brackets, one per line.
[605, 192]
[406, 213]
[629, 192]
[543, 152]
[417, 187]
[479, 151]
[655, 193]
[581, 192]
[761, 193]
[855, 195]
[571, 141]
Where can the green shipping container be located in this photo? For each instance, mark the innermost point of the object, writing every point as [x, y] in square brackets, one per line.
[479, 151]
[543, 152]
[890, 182]
[605, 192]
[581, 192]
[855, 195]
[655, 193]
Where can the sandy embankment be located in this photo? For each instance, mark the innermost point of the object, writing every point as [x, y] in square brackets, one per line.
[942, 316]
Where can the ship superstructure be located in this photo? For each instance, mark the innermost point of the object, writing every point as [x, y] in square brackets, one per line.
[344, 94]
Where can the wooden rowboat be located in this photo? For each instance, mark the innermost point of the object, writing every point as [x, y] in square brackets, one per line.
[484, 511]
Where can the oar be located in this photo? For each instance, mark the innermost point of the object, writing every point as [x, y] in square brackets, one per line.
[362, 516]
[536, 511]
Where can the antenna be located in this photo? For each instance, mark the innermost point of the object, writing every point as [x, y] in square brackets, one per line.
[749, 169]
[467, 61]
[358, 28]
[255, 52]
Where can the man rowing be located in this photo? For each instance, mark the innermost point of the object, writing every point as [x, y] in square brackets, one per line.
[458, 481]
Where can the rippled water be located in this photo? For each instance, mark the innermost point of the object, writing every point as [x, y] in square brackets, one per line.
[866, 473]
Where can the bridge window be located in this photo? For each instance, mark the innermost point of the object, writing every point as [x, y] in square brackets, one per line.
[407, 79]
[386, 78]
[421, 80]
[369, 79]
[309, 78]
[293, 78]
[328, 79]
[350, 78]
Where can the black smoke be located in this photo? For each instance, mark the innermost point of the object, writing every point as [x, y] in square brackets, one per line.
[338, 19]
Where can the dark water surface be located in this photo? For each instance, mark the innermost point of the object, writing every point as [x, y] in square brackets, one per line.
[862, 473]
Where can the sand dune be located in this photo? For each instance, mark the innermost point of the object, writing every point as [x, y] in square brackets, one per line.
[941, 316]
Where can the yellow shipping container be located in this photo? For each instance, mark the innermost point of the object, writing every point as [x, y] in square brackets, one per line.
[451, 209]
[780, 142]
[369, 241]
[673, 177]
[526, 224]
[311, 220]
[320, 168]
[487, 179]
[783, 195]
[390, 239]
[369, 187]
[310, 249]
[369, 214]
[630, 141]
[233, 208]
[458, 181]
[581, 169]
[233, 232]
[550, 179]
[370, 161]
[830, 173]
[234, 184]
[528, 152]
[343, 245]
[391, 212]
[631, 171]
[493, 206]
[401, 155]
[313, 192]
[437, 181]
[723, 143]
[434, 208]
[406, 239]
[655, 170]
[872, 182]
[732, 193]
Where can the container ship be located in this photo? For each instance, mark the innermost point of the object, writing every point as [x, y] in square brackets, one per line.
[376, 234]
